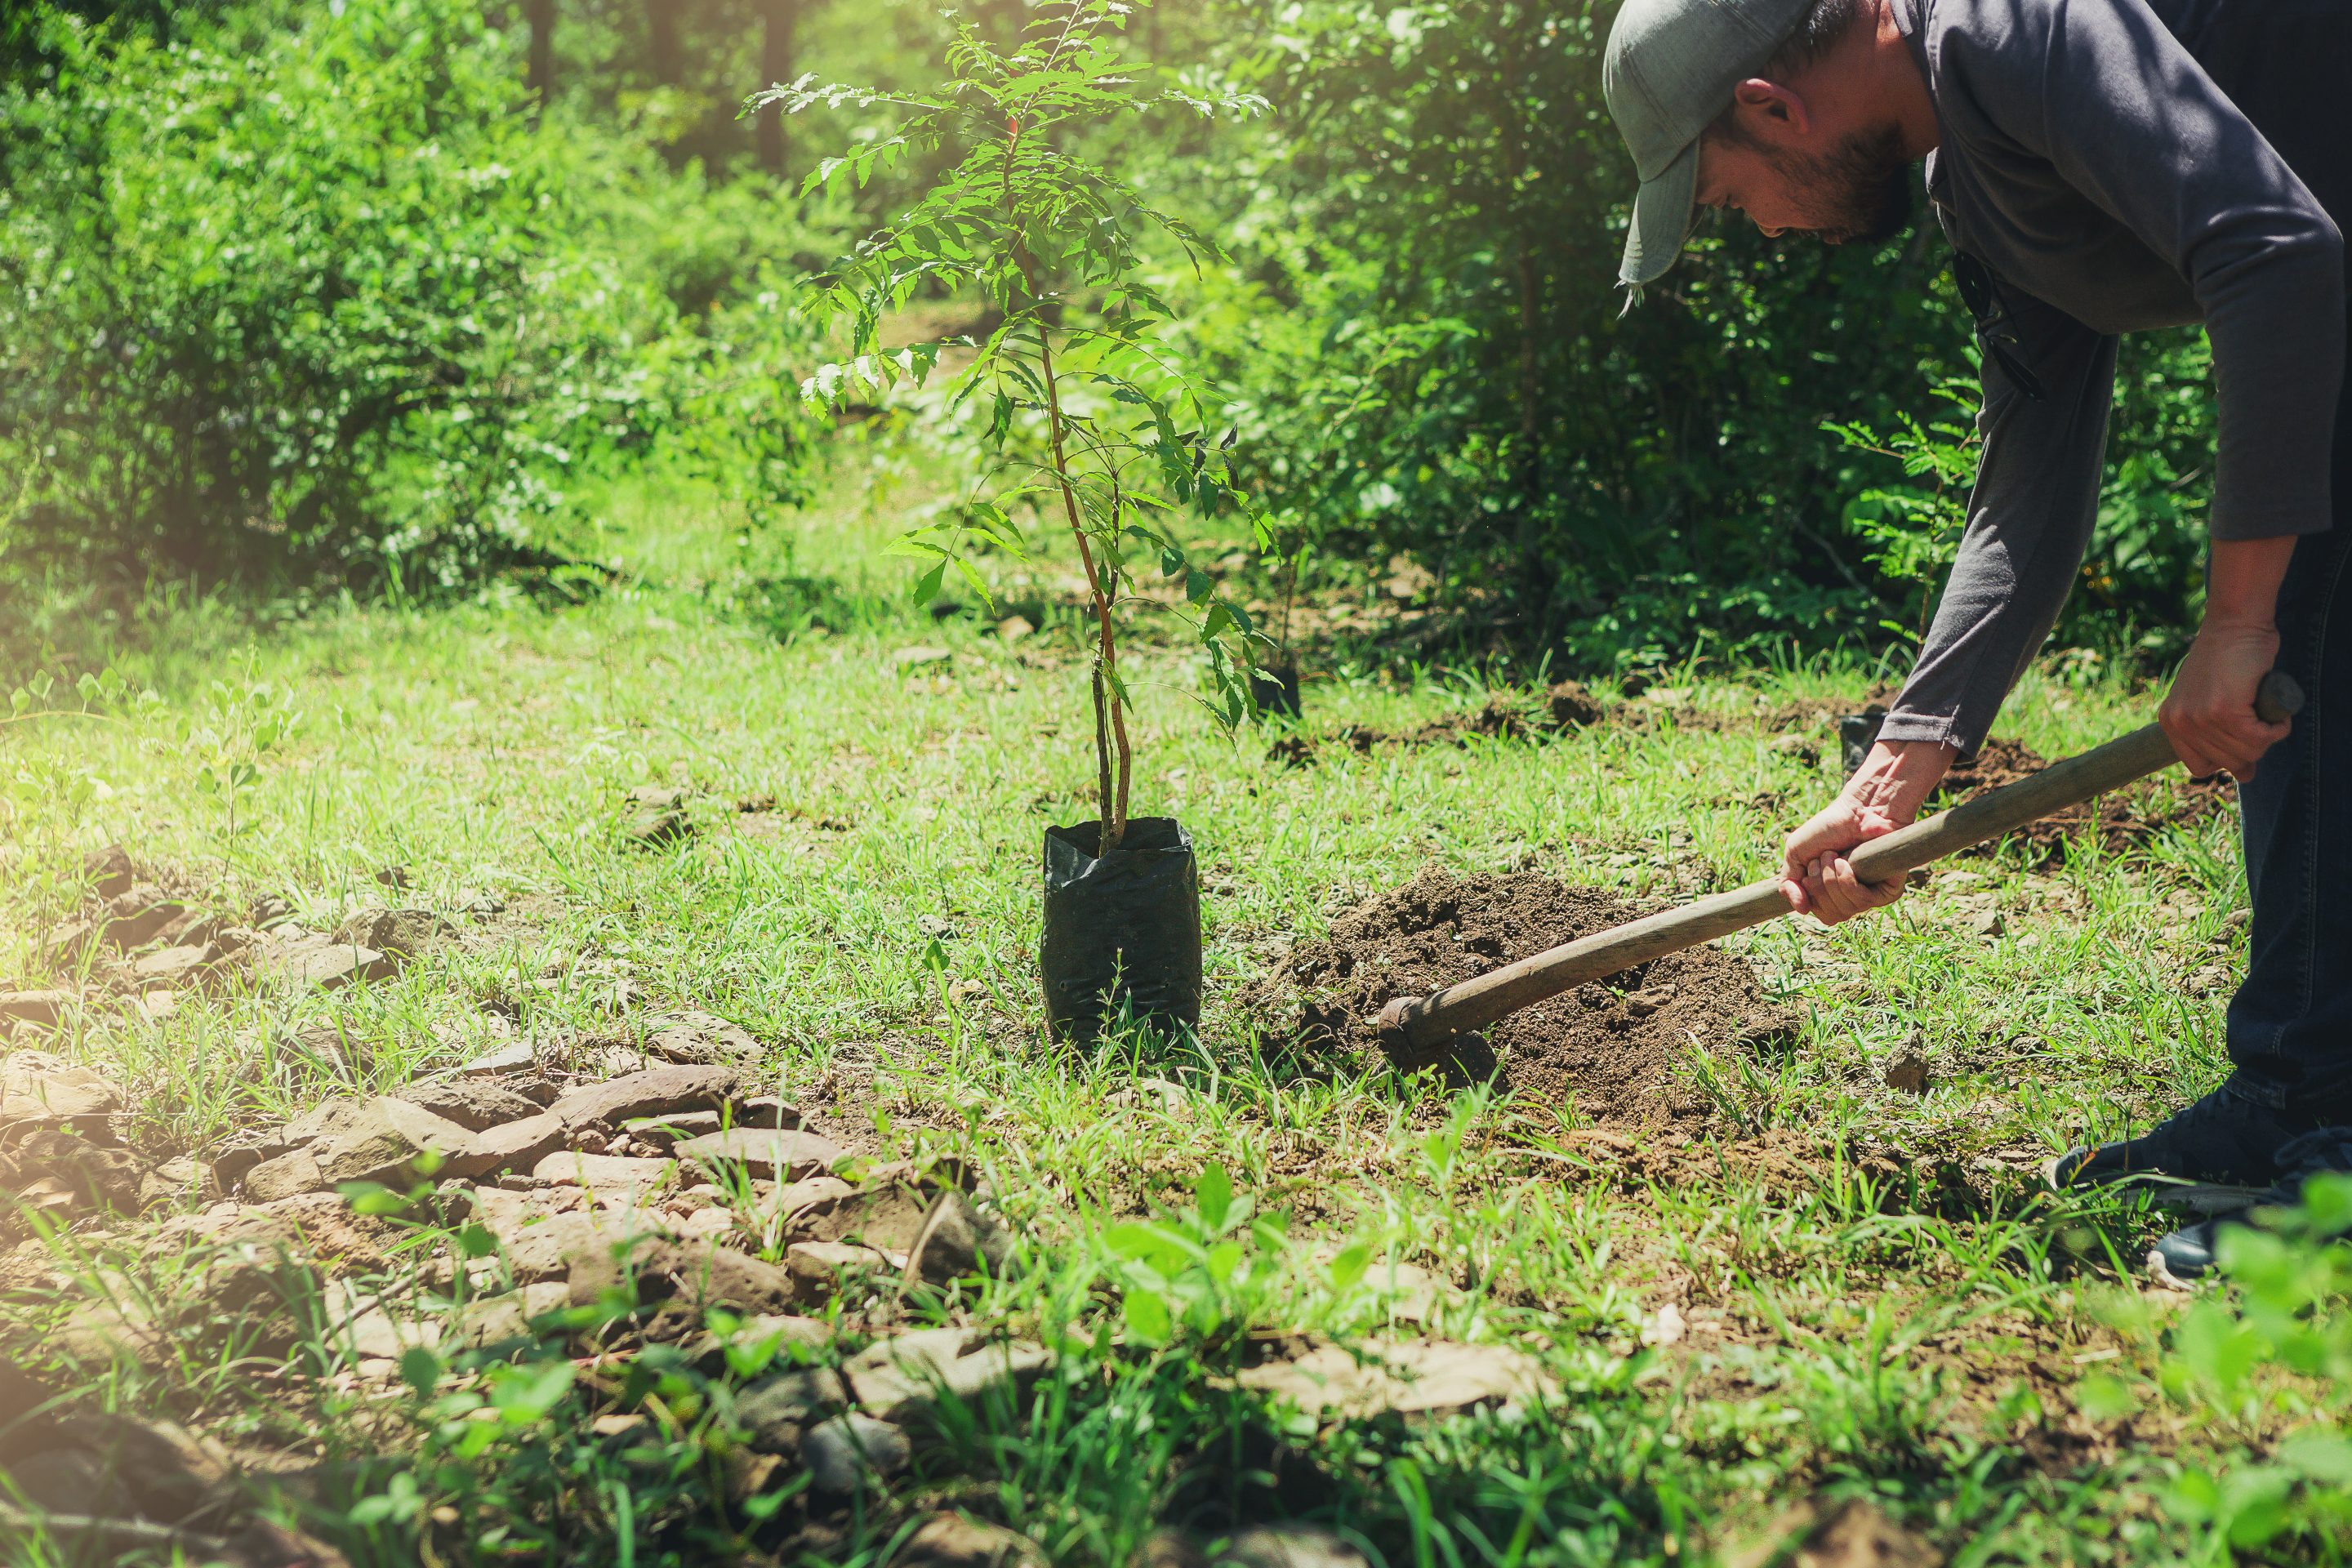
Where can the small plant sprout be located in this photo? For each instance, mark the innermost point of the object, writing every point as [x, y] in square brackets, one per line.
[1089, 418]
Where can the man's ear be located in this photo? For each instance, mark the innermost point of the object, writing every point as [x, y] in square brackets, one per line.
[1769, 111]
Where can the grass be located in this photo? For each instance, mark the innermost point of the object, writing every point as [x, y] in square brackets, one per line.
[1909, 1323]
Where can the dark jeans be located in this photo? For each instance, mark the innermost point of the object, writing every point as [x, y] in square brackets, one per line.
[2290, 1025]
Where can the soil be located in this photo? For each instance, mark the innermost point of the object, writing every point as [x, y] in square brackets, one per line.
[2124, 821]
[1607, 1049]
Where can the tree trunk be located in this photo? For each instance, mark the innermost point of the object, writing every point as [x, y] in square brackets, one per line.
[661, 23]
[542, 78]
[775, 66]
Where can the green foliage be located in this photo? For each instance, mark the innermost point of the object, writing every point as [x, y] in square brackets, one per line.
[310, 286]
[1090, 419]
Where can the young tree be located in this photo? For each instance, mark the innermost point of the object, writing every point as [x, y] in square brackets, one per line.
[1091, 419]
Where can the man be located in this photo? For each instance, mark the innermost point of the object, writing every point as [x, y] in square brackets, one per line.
[2101, 166]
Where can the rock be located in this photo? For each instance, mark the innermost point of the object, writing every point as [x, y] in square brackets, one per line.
[664, 1133]
[268, 911]
[138, 914]
[656, 1092]
[41, 1009]
[936, 927]
[794, 1198]
[1288, 1546]
[956, 1241]
[772, 1154]
[520, 1145]
[1856, 1533]
[324, 1119]
[385, 1142]
[952, 1540]
[821, 1268]
[317, 963]
[697, 1038]
[472, 1103]
[479, 904]
[655, 816]
[665, 1269]
[712, 1224]
[841, 1454]
[1989, 923]
[66, 942]
[111, 871]
[542, 1253]
[1906, 1072]
[506, 1059]
[398, 934]
[1642, 1004]
[886, 1214]
[778, 1410]
[59, 1170]
[38, 1091]
[283, 1176]
[615, 1175]
[902, 1377]
[179, 1180]
[1407, 1376]
[915, 658]
[173, 966]
[1013, 629]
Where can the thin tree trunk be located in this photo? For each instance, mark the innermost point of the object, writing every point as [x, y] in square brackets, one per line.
[542, 78]
[775, 66]
[661, 23]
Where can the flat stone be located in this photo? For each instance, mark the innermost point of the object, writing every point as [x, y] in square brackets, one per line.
[697, 1038]
[173, 965]
[700, 1275]
[386, 1143]
[903, 1376]
[324, 1119]
[775, 1153]
[283, 1176]
[795, 1198]
[656, 1092]
[37, 1089]
[40, 1008]
[602, 1173]
[522, 1145]
[852, 1449]
[474, 1104]
[952, 1541]
[763, 1334]
[506, 1059]
[544, 1253]
[884, 1213]
[319, 963]
[779, 1409]
[1407, 1376]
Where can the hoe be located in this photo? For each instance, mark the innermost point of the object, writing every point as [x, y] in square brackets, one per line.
[1416, 1031]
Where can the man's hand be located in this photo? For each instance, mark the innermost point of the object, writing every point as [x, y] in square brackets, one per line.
[1885, 794]
[2208, 714]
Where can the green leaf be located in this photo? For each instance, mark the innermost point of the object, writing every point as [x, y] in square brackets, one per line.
[2321, 1453]
[1215, 1197]
[421, 1370]
[1350, 1266]
[1148, 1318]
[2104, 1398]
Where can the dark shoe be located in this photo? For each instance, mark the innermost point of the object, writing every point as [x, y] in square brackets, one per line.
[2190, 1252]
[2215, 1154]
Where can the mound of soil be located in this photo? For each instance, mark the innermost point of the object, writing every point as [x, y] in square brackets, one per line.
[1605, 1047]
[1564, 707]
[2123, 821]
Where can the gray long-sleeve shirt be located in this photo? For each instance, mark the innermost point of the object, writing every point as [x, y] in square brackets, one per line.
[2089, 160]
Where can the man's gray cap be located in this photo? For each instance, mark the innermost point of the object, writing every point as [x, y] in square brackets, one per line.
[1669, 71]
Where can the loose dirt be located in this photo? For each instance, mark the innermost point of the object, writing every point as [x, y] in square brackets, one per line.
[1607, 1049]
[2124, 821]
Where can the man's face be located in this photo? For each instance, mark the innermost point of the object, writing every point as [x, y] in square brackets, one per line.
[1854, 189]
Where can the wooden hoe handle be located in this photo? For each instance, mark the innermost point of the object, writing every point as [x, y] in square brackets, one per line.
[1413, 1030]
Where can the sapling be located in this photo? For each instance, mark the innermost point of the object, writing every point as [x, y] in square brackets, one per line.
[1088, 419]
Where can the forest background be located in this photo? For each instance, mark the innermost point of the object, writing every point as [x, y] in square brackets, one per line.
[304, 298]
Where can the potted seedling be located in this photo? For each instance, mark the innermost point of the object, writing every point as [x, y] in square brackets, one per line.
[1090, 424]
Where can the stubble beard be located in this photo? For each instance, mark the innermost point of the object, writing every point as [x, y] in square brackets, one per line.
[1858, 193]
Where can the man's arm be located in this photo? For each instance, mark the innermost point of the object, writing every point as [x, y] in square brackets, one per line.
[2030, 519]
